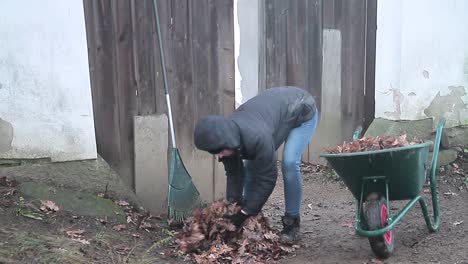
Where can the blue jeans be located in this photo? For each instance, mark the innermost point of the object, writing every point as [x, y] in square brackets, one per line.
[294, 146]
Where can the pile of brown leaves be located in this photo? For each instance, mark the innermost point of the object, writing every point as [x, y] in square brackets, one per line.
[208, 238]
[372, 143]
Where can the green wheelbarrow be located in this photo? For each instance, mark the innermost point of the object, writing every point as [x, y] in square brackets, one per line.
[377, 177]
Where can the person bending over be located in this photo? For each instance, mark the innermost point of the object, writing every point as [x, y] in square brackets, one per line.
[246, 143]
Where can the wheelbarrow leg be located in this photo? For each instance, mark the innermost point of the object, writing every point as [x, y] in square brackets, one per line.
[433, 226]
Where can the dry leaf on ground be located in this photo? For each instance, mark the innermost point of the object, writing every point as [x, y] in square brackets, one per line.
[376, 261]
[75, 233]
[10, 192]
[123, 203]
[348, 224]
[121, 249]
[148, 226]
[47, 206]
[450, 193]
[82, 241]
[119, 227]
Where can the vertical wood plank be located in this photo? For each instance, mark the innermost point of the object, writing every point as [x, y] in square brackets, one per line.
[370, 50]
[276, 25]
[329, 18]
[352, 25]
[223, 57]
[224, 54]
[144, 56]
[165, 8]
[295, 44]
[201, 163]
[104, 98]
[201, 65]
[280, 46]
[314, 39]
[182, 88]
[269, 43]
[262, 49]
[125, 87]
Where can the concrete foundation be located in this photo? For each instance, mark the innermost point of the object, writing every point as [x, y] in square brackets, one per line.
[151, 165]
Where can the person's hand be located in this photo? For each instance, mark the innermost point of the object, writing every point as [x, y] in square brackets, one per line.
[237, 219]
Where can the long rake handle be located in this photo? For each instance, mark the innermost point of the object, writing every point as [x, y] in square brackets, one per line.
[163, 66]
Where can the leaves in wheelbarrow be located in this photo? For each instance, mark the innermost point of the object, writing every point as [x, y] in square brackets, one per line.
[371, 143]
[209, 238]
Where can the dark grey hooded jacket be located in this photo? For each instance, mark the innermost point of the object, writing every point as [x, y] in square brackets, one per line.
[256, 129]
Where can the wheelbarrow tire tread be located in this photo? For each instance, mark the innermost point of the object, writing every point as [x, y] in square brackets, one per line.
[372, 214]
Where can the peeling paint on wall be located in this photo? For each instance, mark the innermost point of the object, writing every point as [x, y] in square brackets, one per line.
[408, 58]
[448, 106]
[6, 135]
[426, 74]
[397, 99]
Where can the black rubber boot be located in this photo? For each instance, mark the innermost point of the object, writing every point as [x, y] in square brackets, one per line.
[291, 229]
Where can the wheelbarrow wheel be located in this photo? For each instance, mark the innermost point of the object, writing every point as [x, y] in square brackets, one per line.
[376, 218]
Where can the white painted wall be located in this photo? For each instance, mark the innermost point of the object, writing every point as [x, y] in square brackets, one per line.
[246, 48]
[44, 80]
[422, 50]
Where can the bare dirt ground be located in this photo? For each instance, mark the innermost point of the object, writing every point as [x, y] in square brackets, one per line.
[328, 214]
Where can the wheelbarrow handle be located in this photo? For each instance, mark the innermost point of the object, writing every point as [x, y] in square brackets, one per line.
[437, 141]
[357, 133]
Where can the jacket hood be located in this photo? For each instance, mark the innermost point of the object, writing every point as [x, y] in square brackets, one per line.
[215, 133]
